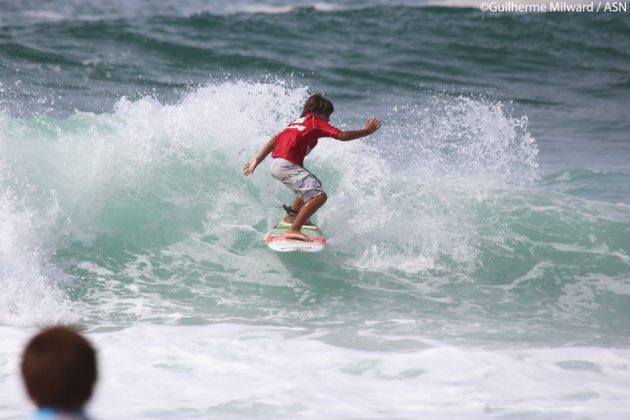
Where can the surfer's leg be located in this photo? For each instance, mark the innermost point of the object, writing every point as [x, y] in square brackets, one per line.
[295, 206]
[305, 213]
[303, 183]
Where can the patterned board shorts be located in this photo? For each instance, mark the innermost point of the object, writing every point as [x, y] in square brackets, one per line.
[299, 180]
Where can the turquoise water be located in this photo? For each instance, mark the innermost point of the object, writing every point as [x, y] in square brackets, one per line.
[479, 244]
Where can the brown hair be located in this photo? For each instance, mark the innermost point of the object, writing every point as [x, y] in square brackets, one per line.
[59, 368]
[317, 104]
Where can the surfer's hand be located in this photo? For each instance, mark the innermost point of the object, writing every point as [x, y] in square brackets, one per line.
[371, 125]
[249, 167]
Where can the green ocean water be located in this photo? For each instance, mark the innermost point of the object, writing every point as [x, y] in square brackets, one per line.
[489, 215]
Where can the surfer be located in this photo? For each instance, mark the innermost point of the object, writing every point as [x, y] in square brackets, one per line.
[289, 148]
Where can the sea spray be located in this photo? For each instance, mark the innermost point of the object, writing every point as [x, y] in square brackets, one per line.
[410, 197]
[100, 194]
[31, 293]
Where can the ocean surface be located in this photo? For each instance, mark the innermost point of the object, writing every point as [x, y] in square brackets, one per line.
[478, 264]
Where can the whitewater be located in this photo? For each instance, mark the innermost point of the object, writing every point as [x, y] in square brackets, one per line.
[478, 260]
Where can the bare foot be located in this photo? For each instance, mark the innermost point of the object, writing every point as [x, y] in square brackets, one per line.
[294, 234]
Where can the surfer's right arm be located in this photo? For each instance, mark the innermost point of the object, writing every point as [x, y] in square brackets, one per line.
[249, 167]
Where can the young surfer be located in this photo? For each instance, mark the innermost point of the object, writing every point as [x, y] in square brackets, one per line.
[289, 148]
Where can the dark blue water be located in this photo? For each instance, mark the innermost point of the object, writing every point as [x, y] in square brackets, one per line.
[484, 229]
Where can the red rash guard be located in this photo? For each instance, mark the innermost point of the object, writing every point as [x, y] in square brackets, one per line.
[300, 137]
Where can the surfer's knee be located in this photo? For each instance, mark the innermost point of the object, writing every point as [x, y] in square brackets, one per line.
[322, 197]
[312, 194]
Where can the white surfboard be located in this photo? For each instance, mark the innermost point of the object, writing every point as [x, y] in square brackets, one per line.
[276, 240]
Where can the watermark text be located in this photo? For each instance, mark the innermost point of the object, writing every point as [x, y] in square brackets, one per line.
[556, 6]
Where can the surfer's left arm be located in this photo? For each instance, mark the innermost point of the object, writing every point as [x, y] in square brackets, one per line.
[249, 167]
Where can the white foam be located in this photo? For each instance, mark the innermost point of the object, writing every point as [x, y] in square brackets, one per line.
[46, 15]
[29, 295]
[476, 3]
[281, 9]
[67, 173]
[263, 8]
[409, 193]
[242, 371]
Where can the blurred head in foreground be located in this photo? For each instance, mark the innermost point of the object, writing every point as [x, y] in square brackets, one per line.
[59, 369]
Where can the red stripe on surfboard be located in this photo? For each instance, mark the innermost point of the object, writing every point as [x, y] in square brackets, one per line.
[280, 236]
